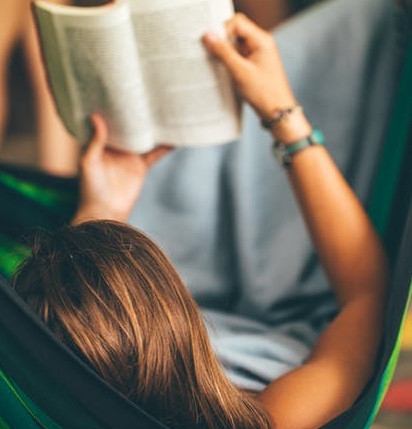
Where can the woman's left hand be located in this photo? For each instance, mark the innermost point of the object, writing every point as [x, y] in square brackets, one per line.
[111, 181]
[256, 67]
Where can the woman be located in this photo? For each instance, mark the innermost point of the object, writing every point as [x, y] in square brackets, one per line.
[110, 295]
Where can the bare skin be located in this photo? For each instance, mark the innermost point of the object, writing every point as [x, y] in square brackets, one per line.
[57, 150]
[266, 13]
[342, 361]
[11, 13]
[111, 180]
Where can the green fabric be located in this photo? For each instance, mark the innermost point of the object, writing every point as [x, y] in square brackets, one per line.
[27, 406]
[390, 369]
[55, 399]
[12, 254]
[12, 410]
[393, 152]
[3, 424]
[45, 203]
[381, 203]
[366, 416]
[51, 204]
[43, 195]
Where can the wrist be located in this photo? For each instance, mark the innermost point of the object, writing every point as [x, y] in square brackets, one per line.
[284, 153]
[86, 213]
[295, 127]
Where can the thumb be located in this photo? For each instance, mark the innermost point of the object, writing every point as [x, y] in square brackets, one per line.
[225, 52]
[99, 139]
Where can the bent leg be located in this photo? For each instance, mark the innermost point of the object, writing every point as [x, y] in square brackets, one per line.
[58, 151]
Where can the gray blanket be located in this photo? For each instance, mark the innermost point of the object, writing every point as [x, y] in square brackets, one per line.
[226, 215]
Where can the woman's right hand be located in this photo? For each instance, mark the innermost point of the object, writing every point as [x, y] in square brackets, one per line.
[255, 66]
[111, 180]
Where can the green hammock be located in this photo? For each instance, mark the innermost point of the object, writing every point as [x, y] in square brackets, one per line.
[43, 384]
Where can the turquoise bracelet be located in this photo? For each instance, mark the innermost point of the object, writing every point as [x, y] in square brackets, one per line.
[285, 152]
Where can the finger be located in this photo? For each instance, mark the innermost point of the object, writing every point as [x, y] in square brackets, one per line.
[156, 154]
[98, 142]
[252, 36]
[225, 52]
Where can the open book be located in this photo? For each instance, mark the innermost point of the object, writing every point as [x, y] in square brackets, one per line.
[142, 65]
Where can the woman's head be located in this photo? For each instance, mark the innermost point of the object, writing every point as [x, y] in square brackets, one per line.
[110, 294]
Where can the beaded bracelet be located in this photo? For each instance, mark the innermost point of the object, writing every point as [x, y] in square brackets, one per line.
[279, 116]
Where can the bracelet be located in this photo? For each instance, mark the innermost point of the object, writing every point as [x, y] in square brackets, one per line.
[284, 152]
[279, 116]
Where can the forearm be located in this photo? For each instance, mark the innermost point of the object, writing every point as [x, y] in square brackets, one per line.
[343, 236]
[352, 256]
[335, 374]
[346, 242]
[344, 357]
[266, 13]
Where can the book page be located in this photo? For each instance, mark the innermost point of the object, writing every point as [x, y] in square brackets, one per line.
[191, 94]
[98, 55]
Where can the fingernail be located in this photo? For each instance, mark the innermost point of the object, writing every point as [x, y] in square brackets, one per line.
[212, 37]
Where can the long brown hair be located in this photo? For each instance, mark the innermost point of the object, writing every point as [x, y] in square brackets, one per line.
[108, 292]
